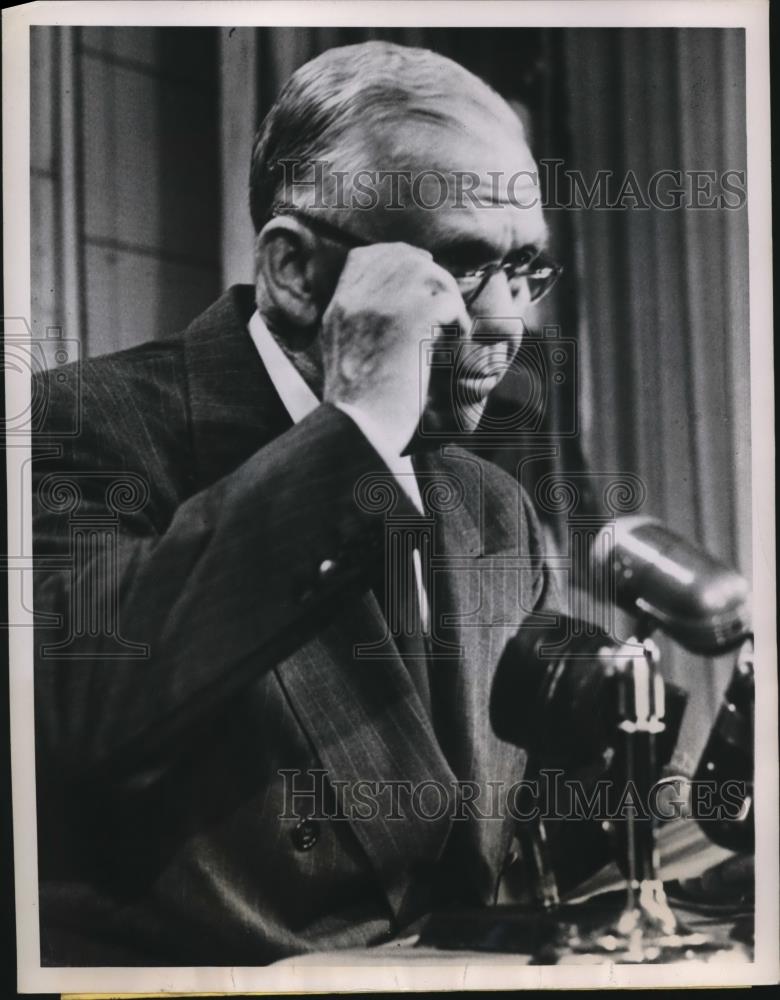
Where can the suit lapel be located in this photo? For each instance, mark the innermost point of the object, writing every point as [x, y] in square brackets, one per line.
[476, 608]
[234, 406]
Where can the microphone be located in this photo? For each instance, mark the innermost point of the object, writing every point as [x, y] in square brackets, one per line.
[552, 692]
[549, 692]
[727, 760]
[652, 571]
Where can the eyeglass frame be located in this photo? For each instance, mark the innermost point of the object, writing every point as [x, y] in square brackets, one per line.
[333, 232]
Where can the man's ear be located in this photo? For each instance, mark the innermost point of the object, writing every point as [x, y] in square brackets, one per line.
[286, 257]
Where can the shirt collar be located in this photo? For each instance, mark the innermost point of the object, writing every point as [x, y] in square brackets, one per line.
[296, 396]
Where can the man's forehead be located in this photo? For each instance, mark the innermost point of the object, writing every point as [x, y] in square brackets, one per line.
[469, 175]
[487, 149]
[430, 180]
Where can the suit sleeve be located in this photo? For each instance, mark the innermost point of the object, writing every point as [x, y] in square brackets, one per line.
[190, 606]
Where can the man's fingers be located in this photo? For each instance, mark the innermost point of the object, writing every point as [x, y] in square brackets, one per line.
[394, 253]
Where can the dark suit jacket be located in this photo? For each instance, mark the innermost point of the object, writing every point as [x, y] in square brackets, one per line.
[201, 591]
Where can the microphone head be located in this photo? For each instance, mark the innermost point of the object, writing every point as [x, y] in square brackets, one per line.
[549, 693]
[649, 570]
[554, 695]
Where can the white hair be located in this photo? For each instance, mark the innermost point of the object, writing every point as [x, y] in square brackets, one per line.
[349, 97]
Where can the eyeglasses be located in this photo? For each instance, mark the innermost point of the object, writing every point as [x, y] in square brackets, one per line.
[528, 266]
[531, 266]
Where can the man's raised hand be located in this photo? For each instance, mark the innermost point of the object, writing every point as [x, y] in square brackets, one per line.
[389, 299]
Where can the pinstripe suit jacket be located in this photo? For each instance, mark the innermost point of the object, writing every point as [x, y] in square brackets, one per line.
[201, 593]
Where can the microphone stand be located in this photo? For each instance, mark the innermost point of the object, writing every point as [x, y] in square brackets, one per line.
[647, 930]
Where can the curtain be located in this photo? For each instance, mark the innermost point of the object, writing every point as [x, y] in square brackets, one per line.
[663, 309]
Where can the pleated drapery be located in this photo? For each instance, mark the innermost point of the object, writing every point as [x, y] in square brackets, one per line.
[663, 302]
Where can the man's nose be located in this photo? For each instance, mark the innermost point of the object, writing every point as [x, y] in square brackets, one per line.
[499, 316]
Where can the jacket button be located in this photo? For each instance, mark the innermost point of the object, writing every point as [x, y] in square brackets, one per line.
[327, 568]
[305, 835]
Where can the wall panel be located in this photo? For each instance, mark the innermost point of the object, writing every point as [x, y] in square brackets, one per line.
[126, 149]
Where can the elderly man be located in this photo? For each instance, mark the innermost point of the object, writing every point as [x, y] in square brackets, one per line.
[271, 602]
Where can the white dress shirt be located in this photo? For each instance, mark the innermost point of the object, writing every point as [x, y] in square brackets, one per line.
[300, 401]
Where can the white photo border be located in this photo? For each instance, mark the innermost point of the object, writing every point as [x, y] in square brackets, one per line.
[492, 972]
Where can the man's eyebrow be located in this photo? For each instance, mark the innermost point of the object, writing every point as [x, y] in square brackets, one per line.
[466, 249]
